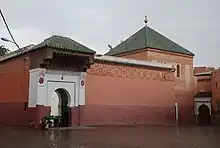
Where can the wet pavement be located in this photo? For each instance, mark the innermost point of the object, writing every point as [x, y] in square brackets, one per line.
[113, 137]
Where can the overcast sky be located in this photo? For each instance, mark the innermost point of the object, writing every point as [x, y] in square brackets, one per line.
[194, 24]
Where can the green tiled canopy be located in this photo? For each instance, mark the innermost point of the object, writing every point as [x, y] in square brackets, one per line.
[146, 37]
[64, 43]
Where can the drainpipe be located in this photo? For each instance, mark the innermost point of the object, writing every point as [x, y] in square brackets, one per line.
[79, 97]
[169, 71]
[177, 113]
[176, 104]
[81, 86]
[79, 114]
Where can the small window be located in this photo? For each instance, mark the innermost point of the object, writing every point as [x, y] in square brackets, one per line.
[178, 70]
[216, 85]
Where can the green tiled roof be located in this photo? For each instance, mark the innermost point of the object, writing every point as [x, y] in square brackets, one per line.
[63, 43]
[146, 37]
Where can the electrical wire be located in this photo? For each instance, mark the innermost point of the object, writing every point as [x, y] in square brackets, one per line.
[6, 25]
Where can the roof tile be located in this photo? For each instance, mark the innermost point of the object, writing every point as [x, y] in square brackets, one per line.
[146, 37]
[64, 43]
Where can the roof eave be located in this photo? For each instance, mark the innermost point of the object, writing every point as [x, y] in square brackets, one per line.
[17, 53]
[119, 60]
[46, 46]
[190, 53]
[203, 94]
[115, 54]
[209, 73]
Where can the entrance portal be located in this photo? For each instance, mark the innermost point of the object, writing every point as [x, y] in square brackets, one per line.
[60, 106]
[204, 115]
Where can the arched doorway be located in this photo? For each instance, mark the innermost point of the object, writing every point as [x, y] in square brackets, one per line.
[60, 106]
[204, 115]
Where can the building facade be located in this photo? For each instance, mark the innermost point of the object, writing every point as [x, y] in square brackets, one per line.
[118, 93]
[147, 79]
[215, 85]
[30, 77]
[207, 95]
[149, 45]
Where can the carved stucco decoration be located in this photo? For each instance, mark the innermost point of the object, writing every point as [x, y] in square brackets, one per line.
[127, 72]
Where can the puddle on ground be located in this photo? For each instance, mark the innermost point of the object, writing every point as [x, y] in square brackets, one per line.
[112, 137]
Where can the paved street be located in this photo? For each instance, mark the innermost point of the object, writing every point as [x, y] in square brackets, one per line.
[113, 137]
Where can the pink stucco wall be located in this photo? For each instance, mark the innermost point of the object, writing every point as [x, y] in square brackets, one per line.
[128, 95]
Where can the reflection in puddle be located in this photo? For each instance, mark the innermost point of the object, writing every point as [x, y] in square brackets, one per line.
[53, 138]
[177, 131]
[56, 137]
[113, 137]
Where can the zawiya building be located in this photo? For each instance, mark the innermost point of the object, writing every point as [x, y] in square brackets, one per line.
[146, 79]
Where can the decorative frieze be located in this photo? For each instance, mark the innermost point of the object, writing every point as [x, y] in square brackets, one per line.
[128, 72]
[3, 73]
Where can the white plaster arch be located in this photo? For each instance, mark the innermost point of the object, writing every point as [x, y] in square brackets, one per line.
[206, 105]
[202, 101]
[41, 94]
[67, 87]
[67, 93]
[55, 105]
[56, 101]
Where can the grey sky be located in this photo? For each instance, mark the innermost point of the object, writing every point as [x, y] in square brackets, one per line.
[193, 24]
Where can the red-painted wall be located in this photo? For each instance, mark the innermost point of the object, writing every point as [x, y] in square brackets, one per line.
[184, 85]
[216, 90]
[128, 95]
[204, 84]
[14, 83]
[203, 69]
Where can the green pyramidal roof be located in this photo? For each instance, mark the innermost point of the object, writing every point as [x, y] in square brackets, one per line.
[146, 37]
[64, 43]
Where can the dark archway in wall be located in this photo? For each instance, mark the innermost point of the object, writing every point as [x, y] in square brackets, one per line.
[204, 115]
[64, 101]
